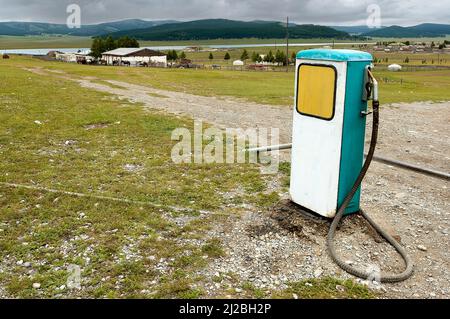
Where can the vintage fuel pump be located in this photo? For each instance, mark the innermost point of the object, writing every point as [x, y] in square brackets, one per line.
[333, 88]
[328, 128]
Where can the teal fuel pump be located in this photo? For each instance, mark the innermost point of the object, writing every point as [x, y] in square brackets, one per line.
[332, 91]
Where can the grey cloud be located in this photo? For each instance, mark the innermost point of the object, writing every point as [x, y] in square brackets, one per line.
[343, 12]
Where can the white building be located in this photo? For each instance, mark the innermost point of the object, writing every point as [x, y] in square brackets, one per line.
[71, 57]
[135, 57]
[66, 57]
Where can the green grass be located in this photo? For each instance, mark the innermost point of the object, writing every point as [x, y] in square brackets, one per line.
[57, 135]
[415, 59]
[52, 231]
[44, 141]
[267, 87]
[412, 86]
[420, 40]
[43, 42]
[326, 288]
[276, 88]
[46, 42]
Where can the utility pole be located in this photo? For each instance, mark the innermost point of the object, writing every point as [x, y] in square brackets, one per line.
[287, 44]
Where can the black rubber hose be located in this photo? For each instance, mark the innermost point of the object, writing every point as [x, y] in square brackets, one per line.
[339, 215]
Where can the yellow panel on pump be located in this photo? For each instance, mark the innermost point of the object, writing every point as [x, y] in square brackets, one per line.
[316, 91]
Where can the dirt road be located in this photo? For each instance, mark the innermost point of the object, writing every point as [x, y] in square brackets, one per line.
[267, 250]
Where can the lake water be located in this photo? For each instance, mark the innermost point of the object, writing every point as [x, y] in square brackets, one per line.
[174, 47]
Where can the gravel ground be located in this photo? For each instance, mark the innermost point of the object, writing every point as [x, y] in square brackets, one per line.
[270, 248]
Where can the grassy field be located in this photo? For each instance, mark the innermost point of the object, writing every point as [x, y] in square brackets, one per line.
[415, 59]
[413, 86]
[155, 244]
[202, 57]
[39, 42]
[45, 42]
[420, 40]
[275, 88]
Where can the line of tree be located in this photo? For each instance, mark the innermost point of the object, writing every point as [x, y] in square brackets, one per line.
[279, 57]
[172, 55]
[244, 55]
[101, 45]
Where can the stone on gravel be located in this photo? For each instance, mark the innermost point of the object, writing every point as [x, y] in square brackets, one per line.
[422, 248]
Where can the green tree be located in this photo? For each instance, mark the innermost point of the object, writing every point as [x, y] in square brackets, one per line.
[293, 56]
[110, 44]
[127, 42]
[407, 60]
[227, 57]
[101, 45]
[172, 55]
[280, 57]
[255, 57]
[269, 57]
[97, 48]
[169, 55]
[182, 55]
[211, 56]
[244, 55]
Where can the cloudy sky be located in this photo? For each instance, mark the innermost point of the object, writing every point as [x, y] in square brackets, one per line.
[329, 12]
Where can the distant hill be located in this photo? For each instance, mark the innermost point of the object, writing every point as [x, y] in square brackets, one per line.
[37, 28]
[418, 31]
[356, 30]
[219, 29]
[229, 29]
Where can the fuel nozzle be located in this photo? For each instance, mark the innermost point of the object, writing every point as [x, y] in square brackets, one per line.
[370, 91]
[374, 82]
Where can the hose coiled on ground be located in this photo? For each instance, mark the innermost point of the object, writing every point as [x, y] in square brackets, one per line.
[339, 215]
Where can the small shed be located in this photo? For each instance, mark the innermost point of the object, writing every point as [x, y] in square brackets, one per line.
[52, 54]
[135, 57]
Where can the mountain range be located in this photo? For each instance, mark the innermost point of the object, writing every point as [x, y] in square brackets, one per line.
[418, 31]
[229, 29]
[166, 30]
[354, 30]
[38, 28]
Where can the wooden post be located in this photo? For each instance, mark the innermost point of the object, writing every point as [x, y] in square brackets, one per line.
[287, 44]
